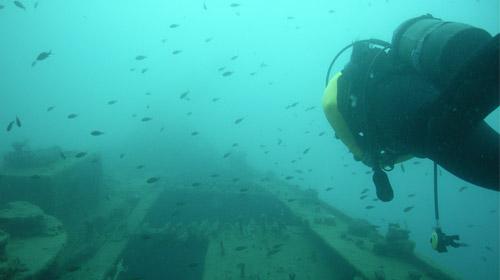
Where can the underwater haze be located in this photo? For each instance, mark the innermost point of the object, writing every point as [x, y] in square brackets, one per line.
[181, 90]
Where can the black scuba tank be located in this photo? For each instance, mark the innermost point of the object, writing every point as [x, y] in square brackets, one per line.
[436, 48]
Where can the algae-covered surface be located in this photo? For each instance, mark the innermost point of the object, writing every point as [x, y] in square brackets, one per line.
[30, 256]
[357, 248]
[258, 255]
[260, 231]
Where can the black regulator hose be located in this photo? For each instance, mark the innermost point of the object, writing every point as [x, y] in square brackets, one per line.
[371, 41]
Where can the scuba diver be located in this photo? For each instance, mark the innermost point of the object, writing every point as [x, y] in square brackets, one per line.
[425, 94]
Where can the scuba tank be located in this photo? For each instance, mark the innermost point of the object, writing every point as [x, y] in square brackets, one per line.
[435, 48]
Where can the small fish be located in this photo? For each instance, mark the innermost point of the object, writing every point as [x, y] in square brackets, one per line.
[363, 196]
[10, 125]
[2, 6]
[111, 102]
[416, 162]
[204, 6]
[227, 73]
[18, 122]
[411, 195]
[175, 213]
[328, 189]
[50, 108]
[184, 95]
[174, 25]
[227, 154]
[194, 133]
[146, 119]
[488, 248]
[96, 133]
[221, 68]
[80, 154]
[193, 265]
[41, 56]
[272, 252]
[145, 236]
[408, 209]
[321, 133]
[215, 175]
[369, 207]
[19, 5]
[207, 40]
[310, 108]
[73, 268]
[35, 5]
[462, 189]
[234, 5]
[176, 52]
[289, 177]
[122, 155]
[237, 121]
[402, 168]
[240, 248]
[61, 154]
[306, 151]
[291, 200]
[235, 145]
[72, 116]
[144, 70]
[140, 57]
[234, 57]
[364, 190]
[292, 105]
[196, 184]
[36, 177]
[152, 180]
[215, 99]
[277, 246]
[243, 189]
[140, 166]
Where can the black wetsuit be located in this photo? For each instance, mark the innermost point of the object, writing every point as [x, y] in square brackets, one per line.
[392, 110]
